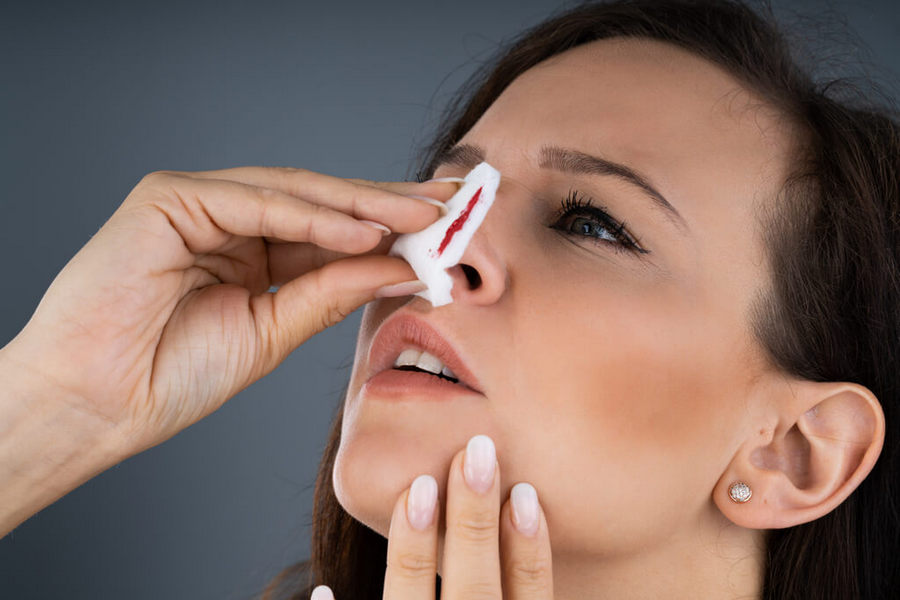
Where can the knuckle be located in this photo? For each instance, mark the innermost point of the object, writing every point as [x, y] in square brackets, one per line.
[266, 196]
[154, 178]
[365, 195]
[358, 198]
[158, 187]
[356, 202]
[531, 572]
[316, 212]
[267, 193]
[330, 309]
[294, 178]
[164, 184]
[163, 175]
[319, 297]
[480, 590]
[477, 528]
[414, 565]
[293, 170]
[365, 182]
[335, 314]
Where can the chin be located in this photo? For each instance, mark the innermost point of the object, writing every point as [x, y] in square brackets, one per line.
[367, 484]
[385, 446]
[371, 471]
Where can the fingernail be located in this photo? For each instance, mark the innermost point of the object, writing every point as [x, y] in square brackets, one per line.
[406, 288]
[525, 509]
[322, 592]
[433, 202]
[446, 179]
[479, 461]
[384, 230]
[421, 502]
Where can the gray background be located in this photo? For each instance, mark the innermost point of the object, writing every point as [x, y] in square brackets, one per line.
[95, 95]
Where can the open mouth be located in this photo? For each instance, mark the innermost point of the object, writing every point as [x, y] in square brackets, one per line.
[438, 375]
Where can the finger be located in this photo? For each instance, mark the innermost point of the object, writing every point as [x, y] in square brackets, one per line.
[317, 300]
[321, 592]
[526, 558]
[388, 203]
[287, 178]
[208, 213]
[412, 543]
[288, 261]
[471, 561]
[439, 189]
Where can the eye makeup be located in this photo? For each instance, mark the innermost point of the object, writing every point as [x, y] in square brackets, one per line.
[586, 213]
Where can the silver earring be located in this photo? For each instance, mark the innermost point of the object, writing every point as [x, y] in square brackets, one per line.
[739, 492]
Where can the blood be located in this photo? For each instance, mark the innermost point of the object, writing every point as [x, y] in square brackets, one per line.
[459, 222]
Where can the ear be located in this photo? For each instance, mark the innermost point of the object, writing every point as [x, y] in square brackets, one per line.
[809, 450]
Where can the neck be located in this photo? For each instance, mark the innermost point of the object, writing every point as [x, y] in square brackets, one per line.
[719, 560]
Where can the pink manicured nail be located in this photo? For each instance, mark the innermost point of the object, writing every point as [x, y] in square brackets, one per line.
[384, 230]
[525, 511]
[406, 288]
[479, 462]
[322, 592]
[431, 201]
[447, 180]
[421, 502]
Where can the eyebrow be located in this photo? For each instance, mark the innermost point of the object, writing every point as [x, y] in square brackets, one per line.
[568, 160]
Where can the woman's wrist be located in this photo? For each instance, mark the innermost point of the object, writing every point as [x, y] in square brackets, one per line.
[47, 446]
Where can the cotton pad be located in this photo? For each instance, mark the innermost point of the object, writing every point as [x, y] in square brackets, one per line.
[439, 246]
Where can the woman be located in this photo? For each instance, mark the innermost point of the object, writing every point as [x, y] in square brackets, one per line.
[678, 328]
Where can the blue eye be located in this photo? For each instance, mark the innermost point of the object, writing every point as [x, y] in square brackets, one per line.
[580, 218]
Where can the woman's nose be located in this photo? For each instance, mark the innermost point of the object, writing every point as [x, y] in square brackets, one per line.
[481, 276]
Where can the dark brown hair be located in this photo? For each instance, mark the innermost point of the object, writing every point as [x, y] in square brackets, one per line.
[830, 312]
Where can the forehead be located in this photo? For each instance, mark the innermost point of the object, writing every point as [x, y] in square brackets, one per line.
[653, 104]
[701, 137]
[713, 148]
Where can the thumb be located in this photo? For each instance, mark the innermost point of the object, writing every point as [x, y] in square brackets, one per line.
[325, 296]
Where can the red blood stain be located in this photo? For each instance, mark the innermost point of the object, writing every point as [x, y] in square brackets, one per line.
[459, 222]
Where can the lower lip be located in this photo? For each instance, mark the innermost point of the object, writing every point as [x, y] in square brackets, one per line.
[393, 383]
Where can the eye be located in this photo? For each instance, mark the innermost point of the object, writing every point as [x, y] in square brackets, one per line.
[578, 217]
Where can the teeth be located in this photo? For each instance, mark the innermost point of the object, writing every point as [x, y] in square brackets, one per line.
[430, 363]
[407, 358]
[423, 360]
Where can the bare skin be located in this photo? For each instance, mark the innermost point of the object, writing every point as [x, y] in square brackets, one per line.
[625, 387]
[164, 314]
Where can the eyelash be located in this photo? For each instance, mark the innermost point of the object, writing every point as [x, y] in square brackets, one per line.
[573, 204]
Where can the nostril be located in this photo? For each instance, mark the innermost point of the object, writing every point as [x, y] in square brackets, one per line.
[472, 276]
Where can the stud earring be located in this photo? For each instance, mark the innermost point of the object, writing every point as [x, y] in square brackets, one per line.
[739, 492]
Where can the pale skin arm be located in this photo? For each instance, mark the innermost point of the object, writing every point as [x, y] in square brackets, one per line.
[47, 448]
[164, 314]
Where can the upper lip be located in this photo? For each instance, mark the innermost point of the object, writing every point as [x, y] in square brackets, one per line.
[402, 330]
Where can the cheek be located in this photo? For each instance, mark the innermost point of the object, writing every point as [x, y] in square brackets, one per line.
[625, 393]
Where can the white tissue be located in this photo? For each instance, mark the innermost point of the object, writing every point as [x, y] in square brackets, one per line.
[420, 249]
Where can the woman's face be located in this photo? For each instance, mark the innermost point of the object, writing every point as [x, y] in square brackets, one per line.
[620, 384]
